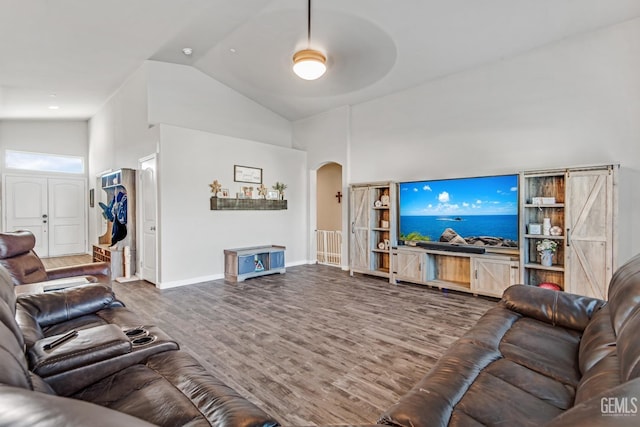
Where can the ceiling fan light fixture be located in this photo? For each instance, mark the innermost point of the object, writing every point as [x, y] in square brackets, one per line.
[309, 64]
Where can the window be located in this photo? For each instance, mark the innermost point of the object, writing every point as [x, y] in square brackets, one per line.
[43, 162]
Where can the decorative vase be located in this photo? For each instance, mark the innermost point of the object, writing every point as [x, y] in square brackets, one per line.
[546, 258]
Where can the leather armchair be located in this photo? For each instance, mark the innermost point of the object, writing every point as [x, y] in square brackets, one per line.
[25, 267]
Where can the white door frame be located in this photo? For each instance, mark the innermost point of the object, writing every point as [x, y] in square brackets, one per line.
[140, 219]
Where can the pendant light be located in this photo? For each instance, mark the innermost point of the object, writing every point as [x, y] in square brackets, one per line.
[309, 64]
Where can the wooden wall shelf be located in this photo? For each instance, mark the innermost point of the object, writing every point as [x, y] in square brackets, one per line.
[222, 204]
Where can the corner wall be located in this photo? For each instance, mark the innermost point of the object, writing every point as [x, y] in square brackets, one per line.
[193, 237]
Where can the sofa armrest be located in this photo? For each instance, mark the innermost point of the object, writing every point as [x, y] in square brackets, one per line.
[54, 307]
[27, 408]
[89, 269]
[554, 307]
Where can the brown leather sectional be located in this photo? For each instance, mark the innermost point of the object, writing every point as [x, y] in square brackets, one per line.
[540, 357]
[113, 370]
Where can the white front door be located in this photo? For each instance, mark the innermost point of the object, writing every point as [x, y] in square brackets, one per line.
[53, 209]
[67, 216]
[25, 207]
[148, 214]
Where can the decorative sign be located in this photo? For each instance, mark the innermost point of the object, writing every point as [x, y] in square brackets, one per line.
[247, 174]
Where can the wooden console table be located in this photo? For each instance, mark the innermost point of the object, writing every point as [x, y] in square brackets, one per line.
[243, 263]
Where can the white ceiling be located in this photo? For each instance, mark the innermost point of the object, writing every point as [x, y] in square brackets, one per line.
[76, 53]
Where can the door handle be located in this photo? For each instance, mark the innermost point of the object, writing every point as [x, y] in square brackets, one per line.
[44, 215]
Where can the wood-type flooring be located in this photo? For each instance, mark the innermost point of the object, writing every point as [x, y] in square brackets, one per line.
[315, 345]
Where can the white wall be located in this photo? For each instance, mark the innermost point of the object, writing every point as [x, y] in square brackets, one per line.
[192, 236]
[571, 103]
[326, 138]
[119, 135]
[69, 137]
[183, 96]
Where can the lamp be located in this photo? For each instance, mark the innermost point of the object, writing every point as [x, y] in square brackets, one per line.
[309, 64]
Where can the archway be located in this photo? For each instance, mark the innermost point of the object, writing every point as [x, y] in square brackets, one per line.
[330, 200]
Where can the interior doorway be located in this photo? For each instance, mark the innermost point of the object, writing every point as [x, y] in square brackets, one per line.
[329, 199]
[148, 202]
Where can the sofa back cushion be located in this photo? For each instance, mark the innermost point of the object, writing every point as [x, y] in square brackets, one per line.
[18, 257]
[13, 363]
[624, 307]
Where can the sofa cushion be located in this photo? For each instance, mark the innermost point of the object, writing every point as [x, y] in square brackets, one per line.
[550, 306]
[22, 408]
[13, 363]
[171, 389]
[543, 348]
[598, 340]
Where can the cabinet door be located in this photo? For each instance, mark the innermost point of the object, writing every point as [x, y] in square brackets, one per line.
[408, 266]
[360, 227]
[493, 276]
[589, 232]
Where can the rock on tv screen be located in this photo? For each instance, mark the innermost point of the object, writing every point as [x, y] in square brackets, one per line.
[477, 211]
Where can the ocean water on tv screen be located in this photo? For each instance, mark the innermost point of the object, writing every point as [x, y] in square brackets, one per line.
[500, 226]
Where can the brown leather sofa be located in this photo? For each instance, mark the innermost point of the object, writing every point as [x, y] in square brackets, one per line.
[540, 357]
[25, 267]
[114, 370]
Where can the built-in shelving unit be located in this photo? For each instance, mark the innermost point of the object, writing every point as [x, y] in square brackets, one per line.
[122, 181]
[542, 186]
[582, 203]
[373, 227]
[480, 274]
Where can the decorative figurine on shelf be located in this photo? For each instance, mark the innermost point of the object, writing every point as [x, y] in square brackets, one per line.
[262, 191]
[280, 187]
[546, 248]
[385, 199]
[248, 192]
[215, 188]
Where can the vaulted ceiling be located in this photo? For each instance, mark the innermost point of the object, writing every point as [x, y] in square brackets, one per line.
[76, 53]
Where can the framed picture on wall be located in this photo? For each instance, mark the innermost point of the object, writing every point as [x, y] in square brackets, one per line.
[247, 174]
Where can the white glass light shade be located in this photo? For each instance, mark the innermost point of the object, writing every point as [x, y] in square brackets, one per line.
[309, 64]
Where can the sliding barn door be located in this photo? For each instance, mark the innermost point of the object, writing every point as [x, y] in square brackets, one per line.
[590, 210]
[360, 228]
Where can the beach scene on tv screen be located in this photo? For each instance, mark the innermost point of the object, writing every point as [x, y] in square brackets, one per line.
[476, 211]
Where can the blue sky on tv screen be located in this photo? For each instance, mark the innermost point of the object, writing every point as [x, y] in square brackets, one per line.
[492, 195]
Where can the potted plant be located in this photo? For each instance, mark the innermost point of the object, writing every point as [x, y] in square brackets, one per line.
[280, 187]
[546, 248]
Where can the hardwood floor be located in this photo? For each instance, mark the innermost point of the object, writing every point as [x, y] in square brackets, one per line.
[64, 261]
[314, 345]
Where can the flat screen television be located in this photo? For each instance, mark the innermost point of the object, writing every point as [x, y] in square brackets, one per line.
[481, 210]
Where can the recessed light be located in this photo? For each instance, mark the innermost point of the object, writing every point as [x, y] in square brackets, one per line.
[54, 107]
[187, 51]
[232, 50]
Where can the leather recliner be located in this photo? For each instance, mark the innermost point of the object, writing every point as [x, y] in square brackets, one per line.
[540, 357]
[100, 377]
[25, 267]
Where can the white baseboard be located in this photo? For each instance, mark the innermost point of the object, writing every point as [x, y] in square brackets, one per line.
[190, 281]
